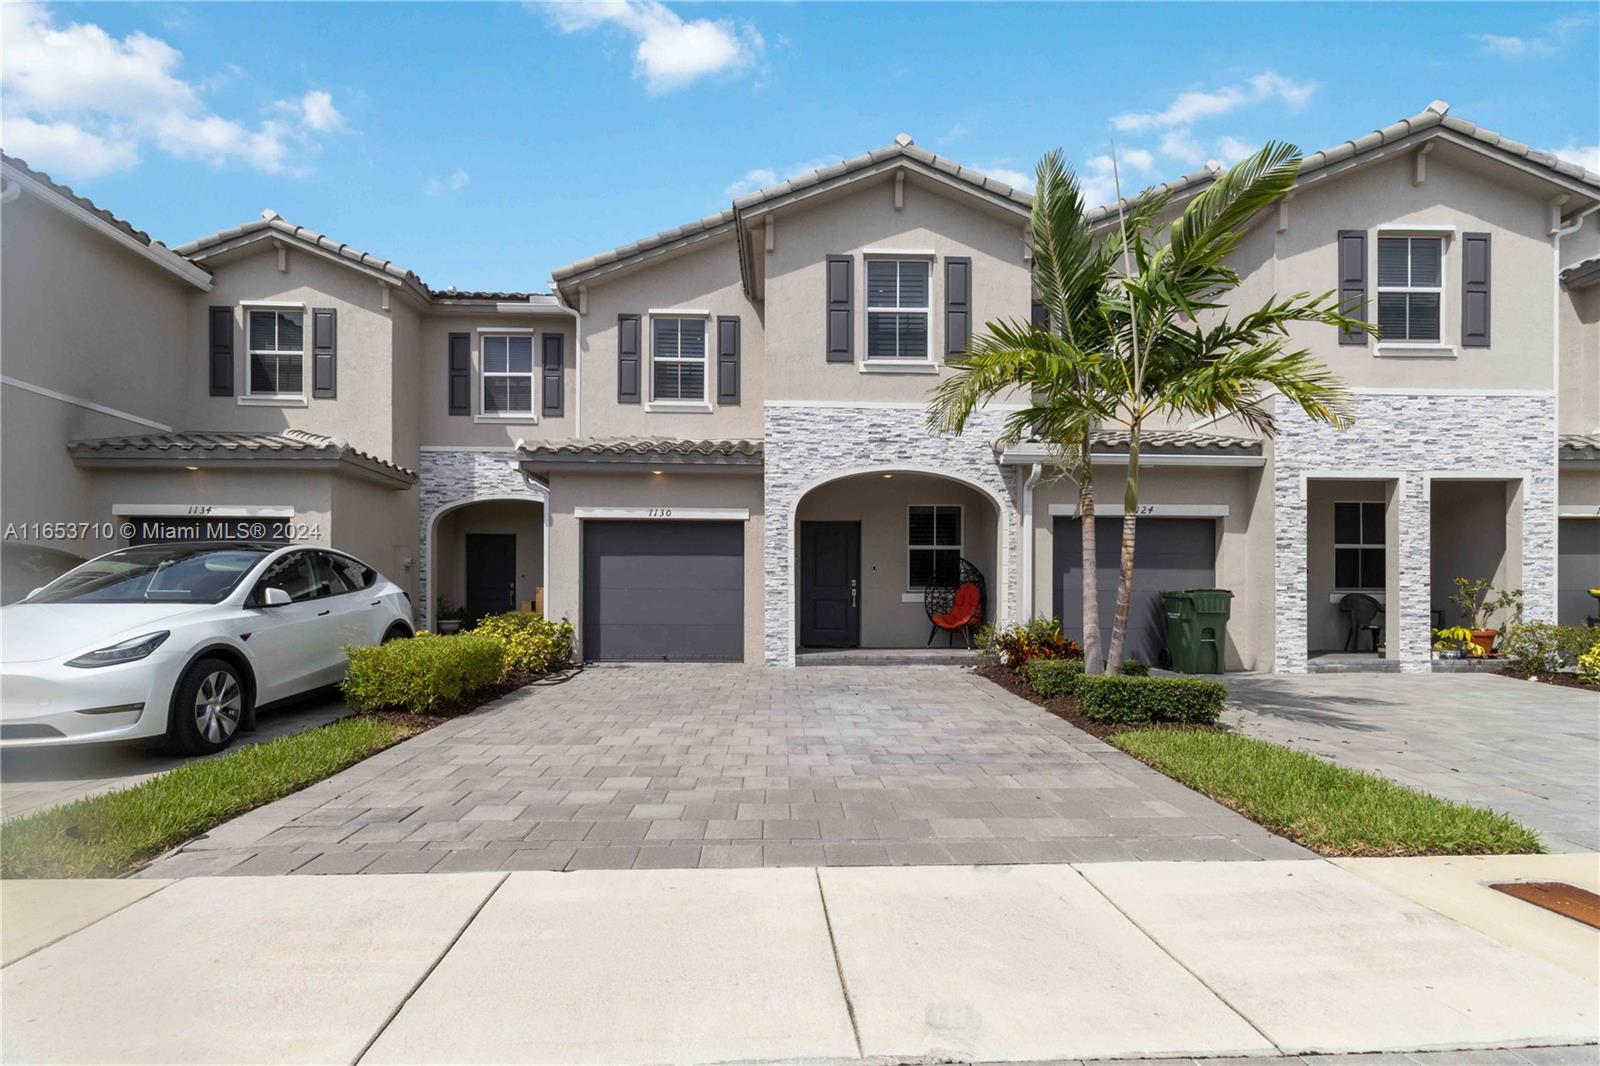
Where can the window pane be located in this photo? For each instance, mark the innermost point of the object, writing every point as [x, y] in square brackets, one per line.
[948, 525]
[1426, 253]
[913, 336]
[692, 381]
[495, 393]
[263, 373]
[1392, 261]
[1423, 320]
[289, 331]
[921, 522]
[946, 565]
[882, 336]
[1372, 531]
[289, 374]
[520, 354]
[293, 575]
[1372, 568]
[919, 574]
[666, 337]
[1392, 315]
[263, 333]
[692, 338]
[1347, 523]
[494, 355]
[330, 579]
[881, 278]
[519, 397]
[1347, 568]
[914, 283]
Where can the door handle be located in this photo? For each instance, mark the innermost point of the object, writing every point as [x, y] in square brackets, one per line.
[376, 603]
[321, 613]
[852, 592]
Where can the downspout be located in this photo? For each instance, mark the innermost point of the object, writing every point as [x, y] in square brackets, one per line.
[1027, 541]
[1558, 231]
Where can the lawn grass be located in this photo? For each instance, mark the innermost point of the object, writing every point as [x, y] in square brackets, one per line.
[1329, 809]
[110, 834]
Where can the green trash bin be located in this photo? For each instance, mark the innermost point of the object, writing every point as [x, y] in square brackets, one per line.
[1197, 629]
[1183, 634]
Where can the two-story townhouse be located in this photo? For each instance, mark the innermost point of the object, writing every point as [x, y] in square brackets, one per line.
[710, 444]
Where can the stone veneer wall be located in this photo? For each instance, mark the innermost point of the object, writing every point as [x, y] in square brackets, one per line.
[1404, 437]
[806, 446]
[459, 477]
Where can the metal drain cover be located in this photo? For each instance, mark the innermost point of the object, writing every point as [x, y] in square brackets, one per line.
[1569, 901]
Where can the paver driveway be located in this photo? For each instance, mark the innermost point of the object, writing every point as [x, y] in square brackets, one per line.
[683, 765]
[1528, 749]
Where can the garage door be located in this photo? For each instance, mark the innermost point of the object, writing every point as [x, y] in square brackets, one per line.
[1169, 553]
[663, 591]
[1579, 540]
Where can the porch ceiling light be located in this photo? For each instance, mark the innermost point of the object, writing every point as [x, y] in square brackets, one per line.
[888, 475]
[658, 472]
[191, 468]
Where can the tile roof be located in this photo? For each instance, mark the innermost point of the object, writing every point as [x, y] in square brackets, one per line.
[204, 444]
[627, 251]
[82, 201]
[1583, 446]
[1176, 442]
[644, 449]
[1582, 273]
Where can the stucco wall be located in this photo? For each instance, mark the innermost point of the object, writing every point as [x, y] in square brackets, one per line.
[439, 427]
[1472, 526]
[1580, 359]
[525, 521]
[378, 524]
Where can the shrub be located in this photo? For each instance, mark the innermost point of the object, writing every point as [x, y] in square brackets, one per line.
[422, 672]
[1019, 645]
[1053, 677]
[1119, 698]
[1135, 668]
[1542, 647]
[532, 644]
[1589, 664]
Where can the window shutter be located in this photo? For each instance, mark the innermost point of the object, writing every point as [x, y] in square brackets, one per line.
[728, 360]
[1039, 315]
[1474, 290]
[957, 305]
[840, 309]
[628, 358]
[222, 351]
[553, 359]
[324, 352]
[460, 373]
[1353, 281]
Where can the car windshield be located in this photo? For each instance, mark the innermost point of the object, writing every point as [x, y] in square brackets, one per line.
[155, 573]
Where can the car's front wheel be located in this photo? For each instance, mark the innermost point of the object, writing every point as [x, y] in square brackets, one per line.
[210, 703]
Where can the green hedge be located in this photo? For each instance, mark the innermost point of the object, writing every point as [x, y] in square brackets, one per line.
[422, 672]
[1135, 668]
[532, 643]
[1052, 677]
[1119, 698]
[1543, 647]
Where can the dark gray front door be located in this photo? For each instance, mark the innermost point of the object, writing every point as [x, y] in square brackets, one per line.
[830, 584]
[1579, 540]
[1168, 553]
[663, 591]
[491, 573]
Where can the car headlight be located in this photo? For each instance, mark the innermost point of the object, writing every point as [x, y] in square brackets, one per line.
[126, 652]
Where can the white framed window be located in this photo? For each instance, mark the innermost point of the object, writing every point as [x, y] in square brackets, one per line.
[1410, 289]
[898, 298]
[678, 359]
[507, 374]
[276, 354]
[1360, 554]
[933, 543]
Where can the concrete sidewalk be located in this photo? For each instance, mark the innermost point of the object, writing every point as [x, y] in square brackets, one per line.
[949, 963]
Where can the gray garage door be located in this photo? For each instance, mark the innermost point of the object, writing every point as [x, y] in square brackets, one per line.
[1168, 553]
[1580, 569]
[663, 591]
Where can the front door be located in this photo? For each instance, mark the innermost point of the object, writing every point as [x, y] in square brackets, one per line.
[830, 584]
[491, 573]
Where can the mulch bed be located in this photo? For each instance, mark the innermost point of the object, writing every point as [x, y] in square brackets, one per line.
[421, 723]
[1564, 680]
[1063, 707]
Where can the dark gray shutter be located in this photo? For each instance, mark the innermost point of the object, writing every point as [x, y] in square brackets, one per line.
[840, 297]
[460, 373]
[1474, 290]
[222, 351]
[1353, 281]
[553, 360]
[324, 352]
[1039, 315]
[957, 304]
[628, 358]
[728, 360]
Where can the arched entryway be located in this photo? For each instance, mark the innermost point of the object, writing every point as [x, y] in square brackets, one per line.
[866, 543]
[486, 555]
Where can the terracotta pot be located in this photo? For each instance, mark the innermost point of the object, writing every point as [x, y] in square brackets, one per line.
[1484, 638]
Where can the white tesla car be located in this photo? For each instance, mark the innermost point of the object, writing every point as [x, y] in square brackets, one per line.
[183, 641]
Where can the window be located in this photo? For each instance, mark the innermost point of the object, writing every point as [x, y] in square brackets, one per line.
[1410, 288]
[508, 375]
[934, 545]
[351, 573]
[277, 353]
[678, 359]
[292, 574]
[1358, 546]
[897, 308]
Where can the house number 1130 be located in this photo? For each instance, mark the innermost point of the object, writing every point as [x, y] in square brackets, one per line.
[660, 512]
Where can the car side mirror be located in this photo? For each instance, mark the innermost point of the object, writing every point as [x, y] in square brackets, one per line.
[275, 598]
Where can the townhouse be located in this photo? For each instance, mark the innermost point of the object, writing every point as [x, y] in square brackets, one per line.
[710, 444]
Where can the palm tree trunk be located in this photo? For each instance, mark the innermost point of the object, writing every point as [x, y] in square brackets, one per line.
[1130, 519]
[1092, 663]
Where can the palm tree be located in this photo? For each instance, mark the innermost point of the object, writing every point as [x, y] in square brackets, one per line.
[1059, 363]
[1166, 362]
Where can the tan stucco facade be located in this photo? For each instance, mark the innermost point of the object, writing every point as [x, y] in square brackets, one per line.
[522, 520]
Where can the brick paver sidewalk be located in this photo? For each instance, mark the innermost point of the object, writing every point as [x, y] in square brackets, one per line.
[702, 765]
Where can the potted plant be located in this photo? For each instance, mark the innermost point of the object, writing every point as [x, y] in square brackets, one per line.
[1455, 642]
[448, 618]
[1478, 601]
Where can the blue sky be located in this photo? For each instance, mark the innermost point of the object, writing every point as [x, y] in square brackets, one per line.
[483, 144]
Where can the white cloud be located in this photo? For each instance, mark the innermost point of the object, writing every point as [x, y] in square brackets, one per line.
[1548, 42]
[761, 177]
[454, 181]
[1231, 149]
[1014, 178]
[79, 102]
[1194, 105]
[1182, 146]
[1098, 179]
[1586, 156]
[670, 53]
